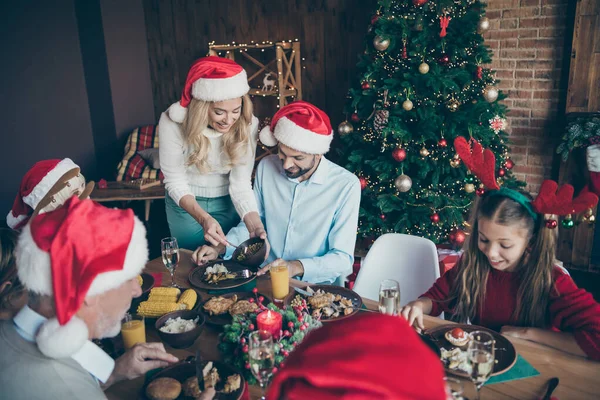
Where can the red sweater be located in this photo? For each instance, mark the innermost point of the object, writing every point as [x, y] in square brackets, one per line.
[572, 310]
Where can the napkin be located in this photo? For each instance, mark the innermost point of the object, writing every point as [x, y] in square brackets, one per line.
[521, 370]
[157, 278]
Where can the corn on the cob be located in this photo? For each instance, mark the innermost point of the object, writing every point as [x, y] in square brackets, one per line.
[188, 298]
[140, 280]
[162, 298]
[157, 309]
[165, 291]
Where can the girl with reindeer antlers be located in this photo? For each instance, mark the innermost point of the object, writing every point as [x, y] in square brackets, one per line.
[506, 279]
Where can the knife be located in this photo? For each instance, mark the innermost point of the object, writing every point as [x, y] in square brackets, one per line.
[303, 292]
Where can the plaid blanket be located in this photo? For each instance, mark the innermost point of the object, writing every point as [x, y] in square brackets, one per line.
[133, 166]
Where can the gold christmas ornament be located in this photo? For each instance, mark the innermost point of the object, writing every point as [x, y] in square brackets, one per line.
[345, 128]
[469, 187]
[455, 162]
[403, 183]
[381, 43]
[424, 152]
[407, 105]
[483, 25]
[490, 94]
[453, 105]
[424, 68]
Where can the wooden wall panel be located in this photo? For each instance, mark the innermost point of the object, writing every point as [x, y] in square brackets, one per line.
[331, 33]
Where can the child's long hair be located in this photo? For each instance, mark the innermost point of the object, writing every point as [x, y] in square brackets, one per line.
[534, 268]
[235, 142]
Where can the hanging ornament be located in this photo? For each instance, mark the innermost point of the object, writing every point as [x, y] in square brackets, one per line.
[483, 25]
[490, 94]
[345, 128]
[399, 154]
[469, 188]
[455, 162]
[381, 43]
[435, 218]
[469, 179]
[550, 223]
[479, 72]
[382, 115]
[444, 59]
[407, 105]
[424, 152]
[589, 217]
[501, 172]
[382, 216]
[404, 52]
[403, 183]
[497, 124]
[444, 22]
[365, 85]
[480, 190]
[443, 143]
[424, 68]
[459, 237]
[453, 105]
[374, 19]
[363, 182]
[419, 3]
[568, 223]
[354, 117]
[509, 164]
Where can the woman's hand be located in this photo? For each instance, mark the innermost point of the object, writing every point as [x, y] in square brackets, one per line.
[213, 233]
[254, 225]
[204, 254]
[413, 313]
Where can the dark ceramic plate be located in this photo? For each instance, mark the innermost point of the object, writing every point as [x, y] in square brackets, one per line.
[186, 369]
[225, 319]
[505, 352]
[147, 284]
[431, 344]
[251, 259]
[196, 276]
[347, 293]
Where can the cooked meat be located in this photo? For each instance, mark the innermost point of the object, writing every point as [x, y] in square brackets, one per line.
[243, 307]
[219, 305]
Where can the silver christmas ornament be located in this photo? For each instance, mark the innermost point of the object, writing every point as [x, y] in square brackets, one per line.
[345, 128]
[490, 94]
[407, 105]
[381, 43]
[403, 183]
[424, 68]
[484, 24]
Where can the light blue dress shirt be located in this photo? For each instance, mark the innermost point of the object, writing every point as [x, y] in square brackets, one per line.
[314, 221]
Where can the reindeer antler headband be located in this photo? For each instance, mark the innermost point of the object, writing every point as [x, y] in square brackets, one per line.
[550, 200]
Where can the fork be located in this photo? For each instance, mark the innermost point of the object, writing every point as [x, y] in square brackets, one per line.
[244, 274]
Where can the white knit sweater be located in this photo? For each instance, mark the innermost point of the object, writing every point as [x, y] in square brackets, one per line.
[182, 179]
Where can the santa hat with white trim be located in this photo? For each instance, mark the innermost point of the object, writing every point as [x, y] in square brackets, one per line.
[45, 179]
[301, 126]
[210, 79]
[81, 249]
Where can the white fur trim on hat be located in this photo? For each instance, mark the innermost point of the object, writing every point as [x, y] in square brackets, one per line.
[593, 158]
[266, 137]
[13, 222]
[33, 264]
[177, 113]
[43, 187]
[221, 89]
[56, 341]
[298, 138]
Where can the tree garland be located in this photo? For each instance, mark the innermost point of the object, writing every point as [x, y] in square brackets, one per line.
[296, 322]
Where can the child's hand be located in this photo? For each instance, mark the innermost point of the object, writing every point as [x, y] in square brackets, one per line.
[413, 313]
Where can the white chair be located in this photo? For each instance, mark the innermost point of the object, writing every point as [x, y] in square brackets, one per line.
[410, 260]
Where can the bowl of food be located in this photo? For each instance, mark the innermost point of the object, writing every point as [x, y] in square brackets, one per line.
[250, 253]
[180, 329]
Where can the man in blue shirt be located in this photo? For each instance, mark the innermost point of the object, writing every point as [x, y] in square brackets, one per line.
[308, 204]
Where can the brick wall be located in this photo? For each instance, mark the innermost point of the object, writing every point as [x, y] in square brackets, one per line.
[528, 39]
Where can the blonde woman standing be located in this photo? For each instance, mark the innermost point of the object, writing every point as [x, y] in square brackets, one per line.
[207, 144]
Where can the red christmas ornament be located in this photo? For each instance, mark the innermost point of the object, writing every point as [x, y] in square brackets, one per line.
[399, 154]
[444, 22]
[479, 72]
[444, 59]
[102, 184]
[374, 19]
[419, 3]
[509, 164]
[452, 236]
[365, 86]
[479, 192]
[251, 327]
[404, 52]
[551, 223]
[435, 218]
[443, 143]
[363, 183]
[382, 216]
[459, 237]
[501, 172]
[354, 117]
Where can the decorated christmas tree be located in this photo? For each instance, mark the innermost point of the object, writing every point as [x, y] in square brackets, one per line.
[422, 83]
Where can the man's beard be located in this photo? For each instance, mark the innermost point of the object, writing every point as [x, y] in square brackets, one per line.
[108, 327]
[301, 172]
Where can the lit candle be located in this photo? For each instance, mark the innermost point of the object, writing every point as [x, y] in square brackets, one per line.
[270, 321]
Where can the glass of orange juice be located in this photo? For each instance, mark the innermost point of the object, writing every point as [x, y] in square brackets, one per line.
[280, 281]
[133, 330]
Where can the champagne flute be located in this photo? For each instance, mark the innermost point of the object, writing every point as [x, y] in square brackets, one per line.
[454, 389]
[389, 297]
[261, 355]
[170, 256]
[481, 358]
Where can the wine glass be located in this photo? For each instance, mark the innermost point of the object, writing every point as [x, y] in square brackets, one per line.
[261, 355]
[389, 297]
[454, 388]
[170, 256]
[480, 353]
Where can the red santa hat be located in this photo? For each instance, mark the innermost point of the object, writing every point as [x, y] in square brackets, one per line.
[210, 79]
[301, 126]
[40, 183]
[371, 356]
[81, 249]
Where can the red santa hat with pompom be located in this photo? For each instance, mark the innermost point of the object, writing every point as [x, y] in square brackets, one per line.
[40, 183]
[81, 249]
[301, 126]
[210, 79]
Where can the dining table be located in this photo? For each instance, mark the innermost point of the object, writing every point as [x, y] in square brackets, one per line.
[579, 377]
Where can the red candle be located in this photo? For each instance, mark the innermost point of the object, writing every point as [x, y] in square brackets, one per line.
[270, 321]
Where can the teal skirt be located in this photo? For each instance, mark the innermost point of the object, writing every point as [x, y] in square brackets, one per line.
[188, 231]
